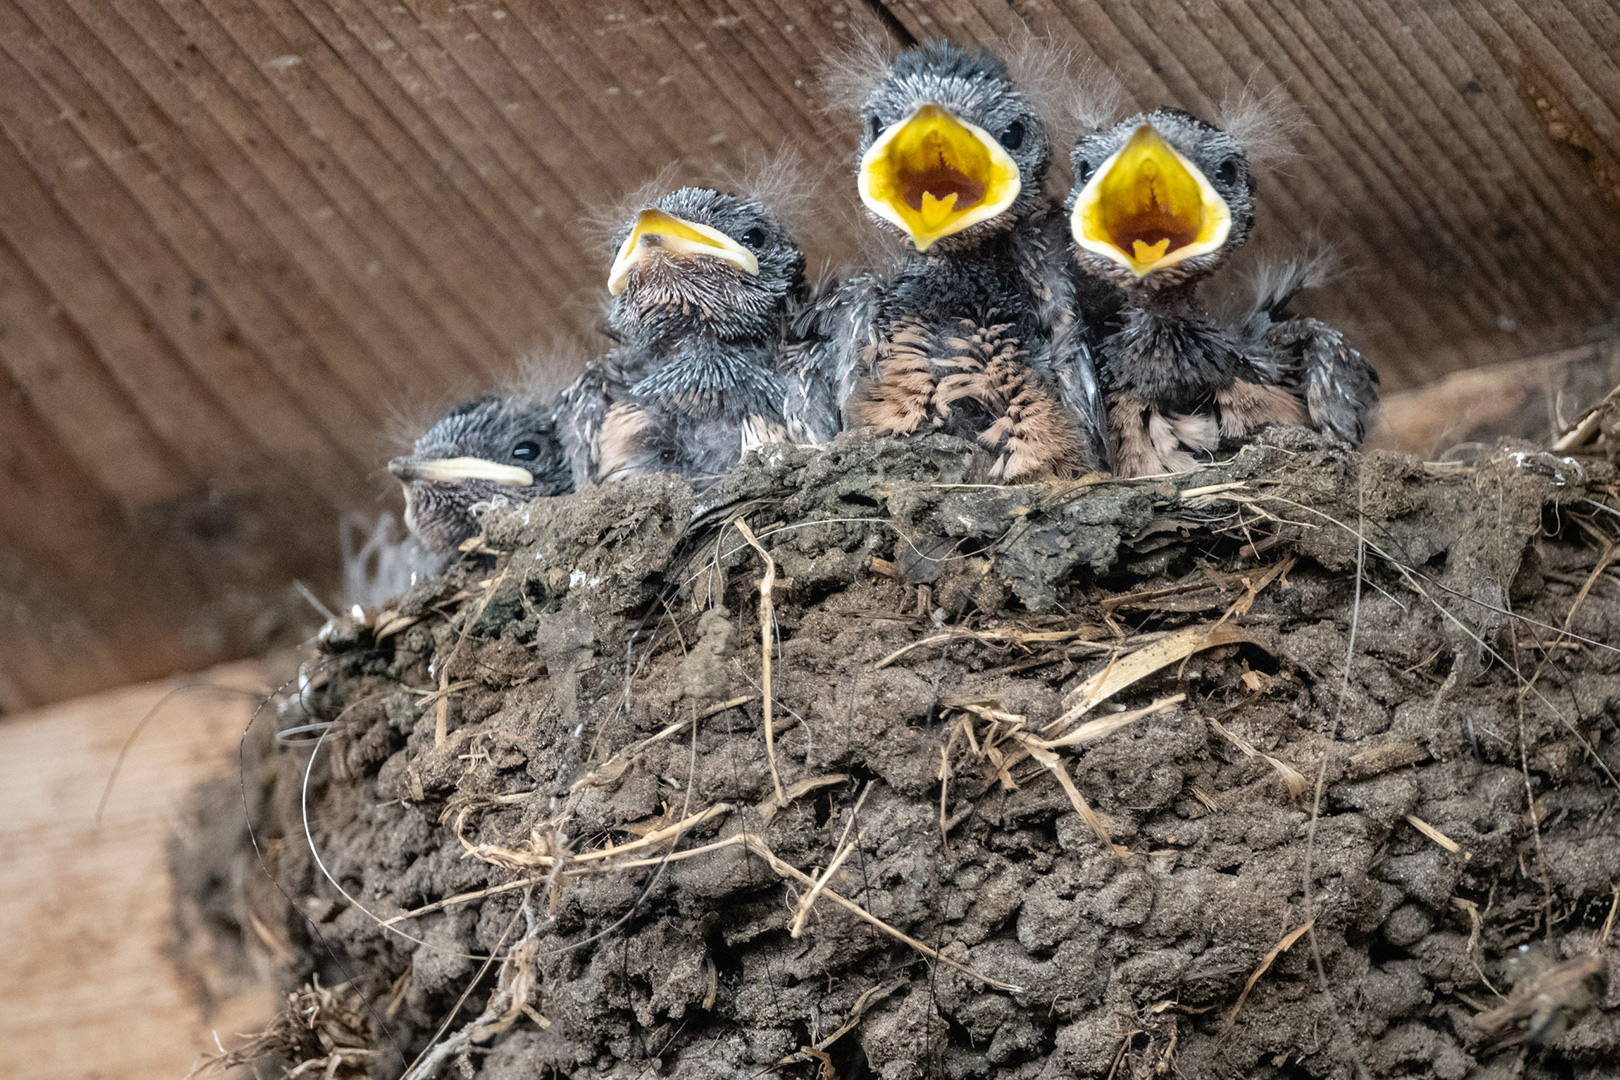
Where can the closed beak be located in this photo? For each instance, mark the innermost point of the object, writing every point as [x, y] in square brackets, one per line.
[451, 470]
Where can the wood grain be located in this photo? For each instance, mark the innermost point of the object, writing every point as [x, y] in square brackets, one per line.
[88, 986]
[240, 236]
[1535, 399]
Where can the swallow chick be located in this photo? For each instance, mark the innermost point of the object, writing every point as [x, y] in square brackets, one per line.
[957, 336]
[1160, 201]
[700, 287]
[1338, 385]
[482, 453]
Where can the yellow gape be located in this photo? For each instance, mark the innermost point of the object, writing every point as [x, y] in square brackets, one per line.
[657, 231]
[933, 175]
[1148, 207]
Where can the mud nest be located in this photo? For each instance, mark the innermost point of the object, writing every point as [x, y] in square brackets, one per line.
[1114, 779]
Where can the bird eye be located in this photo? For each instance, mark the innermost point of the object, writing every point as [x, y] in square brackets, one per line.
[526, 451]
[1227, 172]
[1082, 171]
[1013, 137]
[755, 237]
[875, 127]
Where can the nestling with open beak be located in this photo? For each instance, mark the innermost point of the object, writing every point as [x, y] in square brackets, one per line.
[1160, 201]
[958, 335]
[700, 285]
[482, 453]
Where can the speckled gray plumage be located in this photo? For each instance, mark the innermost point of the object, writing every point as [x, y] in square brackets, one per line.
[694, 376]
[508, 430]
[1004, 277]
[1339, 386]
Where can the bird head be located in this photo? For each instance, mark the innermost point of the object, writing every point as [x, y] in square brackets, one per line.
[952, 151]
[702, 261]
[1159, 199]
[481, 452]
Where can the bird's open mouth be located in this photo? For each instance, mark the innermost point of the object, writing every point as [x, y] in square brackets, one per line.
[933, 175]
[452, 470]
[656, 231]
[1148, 207]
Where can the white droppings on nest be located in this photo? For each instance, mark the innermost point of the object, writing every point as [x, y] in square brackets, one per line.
[576, 579]
[1544, 462]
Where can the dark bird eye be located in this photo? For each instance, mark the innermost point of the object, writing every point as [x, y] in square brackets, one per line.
[1083, 171]
[526, 451]
[755, 237]
[1013, 137]
[875, 127]
[1227, 172]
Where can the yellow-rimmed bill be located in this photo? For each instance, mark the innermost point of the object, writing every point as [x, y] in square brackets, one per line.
[657, 231]
[933, 174]
[450, 470]
[1148, 207]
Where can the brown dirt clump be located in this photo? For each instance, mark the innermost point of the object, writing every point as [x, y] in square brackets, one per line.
[1356, 825]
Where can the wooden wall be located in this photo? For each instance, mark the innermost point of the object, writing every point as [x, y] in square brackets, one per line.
[237, 235]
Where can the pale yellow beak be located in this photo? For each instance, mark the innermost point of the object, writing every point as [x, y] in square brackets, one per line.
[1148, 207]
[933, 174]
[450, 470]
[657, 231]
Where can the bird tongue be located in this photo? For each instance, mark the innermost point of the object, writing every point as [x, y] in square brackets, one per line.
[936, 212]
[1157, 222]
[945, 187]
[1145, 254]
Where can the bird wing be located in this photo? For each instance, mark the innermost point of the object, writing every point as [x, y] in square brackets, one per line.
[823, 356]
[1076, 369]
[1339, 386]
[578, 416]
[1075, 315]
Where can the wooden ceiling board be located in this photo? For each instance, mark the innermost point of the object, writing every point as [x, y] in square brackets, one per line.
[237, 237]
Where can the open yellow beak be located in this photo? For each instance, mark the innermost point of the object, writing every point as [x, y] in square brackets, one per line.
[657, 231]
[933, 175]
[450, 470]
[1148, 207]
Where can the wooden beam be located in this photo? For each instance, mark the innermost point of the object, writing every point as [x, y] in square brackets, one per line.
[89, 981]
[1534, 399]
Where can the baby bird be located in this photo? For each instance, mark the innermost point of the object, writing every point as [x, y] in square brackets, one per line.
[958, 336]
[700, 285]
[1160, 201]
[481, 453]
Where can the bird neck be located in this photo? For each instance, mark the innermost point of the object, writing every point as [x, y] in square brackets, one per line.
[987, 283]
[1171, 356]
[709, 378]
[1178, 300]
[671, 338]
